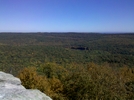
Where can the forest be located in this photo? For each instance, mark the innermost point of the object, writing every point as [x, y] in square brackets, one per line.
[71, 66]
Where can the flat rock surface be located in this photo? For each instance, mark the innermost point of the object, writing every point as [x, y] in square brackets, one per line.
[11, 89]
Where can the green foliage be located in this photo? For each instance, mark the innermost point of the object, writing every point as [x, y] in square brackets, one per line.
[90, 82]
[78, 86]
[20, 50]
[50, 86]
[62, 64]
[107, 85]
[51, 70]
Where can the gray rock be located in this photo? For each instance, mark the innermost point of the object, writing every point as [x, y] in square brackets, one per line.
[8, 78]
[11, 89]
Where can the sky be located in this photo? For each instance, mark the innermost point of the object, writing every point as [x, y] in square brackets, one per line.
[66, 15]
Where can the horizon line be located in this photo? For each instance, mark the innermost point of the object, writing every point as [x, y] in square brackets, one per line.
[58, 32]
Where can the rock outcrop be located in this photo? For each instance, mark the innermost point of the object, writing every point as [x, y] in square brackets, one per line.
[11, 89]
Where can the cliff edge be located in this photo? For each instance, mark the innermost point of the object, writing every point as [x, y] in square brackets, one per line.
[11, 89]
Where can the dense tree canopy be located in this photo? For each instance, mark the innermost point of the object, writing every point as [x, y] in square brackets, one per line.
[72, 66]
[92, 82]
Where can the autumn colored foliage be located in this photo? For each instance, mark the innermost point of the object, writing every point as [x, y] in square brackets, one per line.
[72, 66]
[90, 82]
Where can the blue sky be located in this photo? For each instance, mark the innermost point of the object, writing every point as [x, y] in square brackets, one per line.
[66, 15]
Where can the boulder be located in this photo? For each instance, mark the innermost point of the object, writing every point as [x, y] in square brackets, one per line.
[11, 89]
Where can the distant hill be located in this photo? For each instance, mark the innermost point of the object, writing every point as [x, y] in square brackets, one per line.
[19, 50]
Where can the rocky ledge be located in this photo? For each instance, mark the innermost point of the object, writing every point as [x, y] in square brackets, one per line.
[11, 89]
